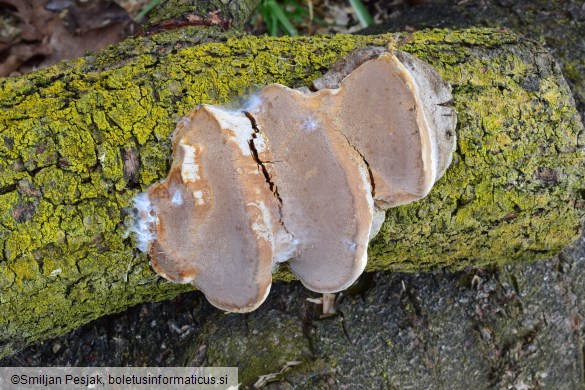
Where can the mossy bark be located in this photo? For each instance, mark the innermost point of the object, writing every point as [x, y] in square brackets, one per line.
[80, 139]
[559, 25]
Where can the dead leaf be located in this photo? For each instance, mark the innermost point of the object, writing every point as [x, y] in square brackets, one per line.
[54, 30]
[264, 379]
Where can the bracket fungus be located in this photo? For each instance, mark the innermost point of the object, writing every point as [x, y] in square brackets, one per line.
[299, 176]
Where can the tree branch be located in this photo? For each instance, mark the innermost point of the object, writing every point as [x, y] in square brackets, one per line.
[80, 139]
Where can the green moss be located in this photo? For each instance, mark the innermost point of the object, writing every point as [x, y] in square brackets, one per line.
[67, 171]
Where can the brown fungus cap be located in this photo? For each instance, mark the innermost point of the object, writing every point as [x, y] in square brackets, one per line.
[215, 214]
[434, 95]
[323, 184]
[299, 176]
[396, 111]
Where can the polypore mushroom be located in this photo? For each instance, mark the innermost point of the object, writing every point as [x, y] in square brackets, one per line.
[323, 184]
[298, 176]
[396, 112]
[216, 217]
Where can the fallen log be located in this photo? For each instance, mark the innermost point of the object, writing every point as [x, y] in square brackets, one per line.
[79, 140]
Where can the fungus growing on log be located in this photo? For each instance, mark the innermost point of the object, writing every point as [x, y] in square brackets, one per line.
[323, 185]
[407, 110]
[216, 220]
[298, 176]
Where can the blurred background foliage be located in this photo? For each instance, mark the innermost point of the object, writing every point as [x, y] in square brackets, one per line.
[282, 17]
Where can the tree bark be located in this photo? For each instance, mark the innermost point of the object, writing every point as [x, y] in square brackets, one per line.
[559, 25]
[225, 14]
[79, 140]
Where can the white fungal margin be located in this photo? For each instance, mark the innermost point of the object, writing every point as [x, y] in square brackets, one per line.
[237, 123]
[176, 197]
[284, 247]
[189, 168]
[309, 125]
[259, 143]
[252, 105]
[263, 224]
[198, 195]
[367, 186]
[428, 142]
[144, 221]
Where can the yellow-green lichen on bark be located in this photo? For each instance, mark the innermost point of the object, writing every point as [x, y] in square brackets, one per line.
[519, 151]
[79, 140]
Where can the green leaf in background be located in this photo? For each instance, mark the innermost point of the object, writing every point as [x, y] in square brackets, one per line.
[144, 11]
[362, 13]
[283, 15]
[278, 12]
